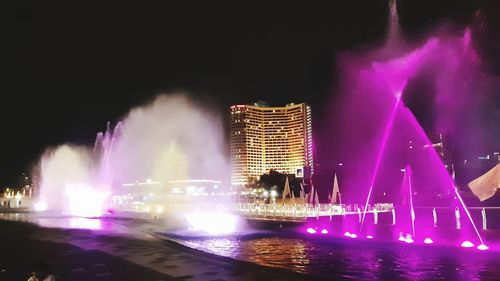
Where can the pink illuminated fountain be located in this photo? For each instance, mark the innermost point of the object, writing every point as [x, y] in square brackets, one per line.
[375, 128]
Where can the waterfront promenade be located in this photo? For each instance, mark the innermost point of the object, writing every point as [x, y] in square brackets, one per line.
[119, 251]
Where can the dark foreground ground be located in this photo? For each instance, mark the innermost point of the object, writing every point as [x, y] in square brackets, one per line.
[89, 255]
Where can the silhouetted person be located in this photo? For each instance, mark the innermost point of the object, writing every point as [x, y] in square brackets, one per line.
[41, 272]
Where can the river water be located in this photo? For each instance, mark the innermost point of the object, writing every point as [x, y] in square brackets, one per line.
[335, 258]
[356, 261]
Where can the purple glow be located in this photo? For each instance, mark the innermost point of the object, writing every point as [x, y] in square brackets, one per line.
[311, 230]
[482, 247]
[347, 233]
[369, 237]
[374, 84]
[353, 235]
[324, 231]
[467, 244]
[428, 241]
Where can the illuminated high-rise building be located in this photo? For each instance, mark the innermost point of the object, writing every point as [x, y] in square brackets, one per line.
[265, 138]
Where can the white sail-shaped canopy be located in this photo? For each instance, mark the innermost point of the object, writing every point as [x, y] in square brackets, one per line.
[286, 189]
[335, 192]
[486, 185]
[312, 197]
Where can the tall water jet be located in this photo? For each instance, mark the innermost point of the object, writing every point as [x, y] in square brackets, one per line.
[168, 140]
[380, 154]
[67, 184]
[375, 127]
[405, 224]
[393, 34]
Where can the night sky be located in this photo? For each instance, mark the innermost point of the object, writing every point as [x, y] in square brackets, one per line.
[68, 68]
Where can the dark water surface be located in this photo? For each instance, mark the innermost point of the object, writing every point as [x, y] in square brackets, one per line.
[356, 261]
[336, 258]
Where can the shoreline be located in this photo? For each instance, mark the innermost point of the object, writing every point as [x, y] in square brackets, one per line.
[192, 264]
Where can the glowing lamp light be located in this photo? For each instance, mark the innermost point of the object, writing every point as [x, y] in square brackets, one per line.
[401, 238]
[311, 230]
[428, 241]
[40, 206]
[274, 193]
[85, 200]
[324, 231]
[482, 247]
[353, 235]
[348, 234]
[409, 240]
[213, 223]
[467, 244]
[369, 237]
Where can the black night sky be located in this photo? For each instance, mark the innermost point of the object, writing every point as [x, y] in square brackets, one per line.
[68, 68]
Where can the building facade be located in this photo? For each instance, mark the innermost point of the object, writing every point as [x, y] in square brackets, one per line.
[265, 138]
